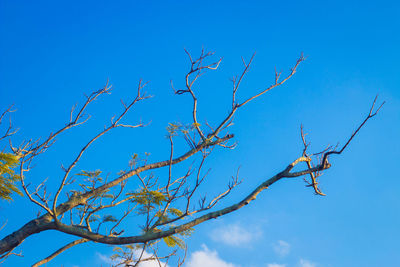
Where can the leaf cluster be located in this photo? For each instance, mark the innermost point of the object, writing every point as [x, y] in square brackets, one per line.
[8, 162]
[175, 128]
[147, 199]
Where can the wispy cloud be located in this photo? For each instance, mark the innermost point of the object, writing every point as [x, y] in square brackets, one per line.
[281, 248]
[306, 263]
[275, 265]
[234, 235]
[105, 258]
[207, 257]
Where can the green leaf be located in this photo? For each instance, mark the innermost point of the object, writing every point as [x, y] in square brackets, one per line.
[109, 218]
[172, 128]
[175, 211]
[91, 174]
[173, 241]
[8, 177]
[130, 247]
[94, 218]
[187, 232]
[114, 256]
[118, 249]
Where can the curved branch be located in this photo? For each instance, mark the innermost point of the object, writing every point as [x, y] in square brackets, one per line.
[59, 251]
[44, 222]
[181, 228]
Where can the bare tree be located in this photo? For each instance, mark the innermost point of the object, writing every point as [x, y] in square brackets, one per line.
[92, 207]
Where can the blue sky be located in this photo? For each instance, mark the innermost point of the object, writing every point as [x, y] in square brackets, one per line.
[53, 52]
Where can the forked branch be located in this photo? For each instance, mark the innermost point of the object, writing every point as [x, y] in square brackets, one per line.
[165, 203]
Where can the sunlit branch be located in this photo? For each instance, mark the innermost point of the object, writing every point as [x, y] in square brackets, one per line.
[59, 251]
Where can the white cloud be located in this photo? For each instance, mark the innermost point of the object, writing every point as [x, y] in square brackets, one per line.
[281, 248]
[151, 263]
[234, 235]
[206, 257]
[306, 263]
[105, 258]
[275, 265]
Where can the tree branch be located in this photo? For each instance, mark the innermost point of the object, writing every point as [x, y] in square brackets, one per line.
[59, 251]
